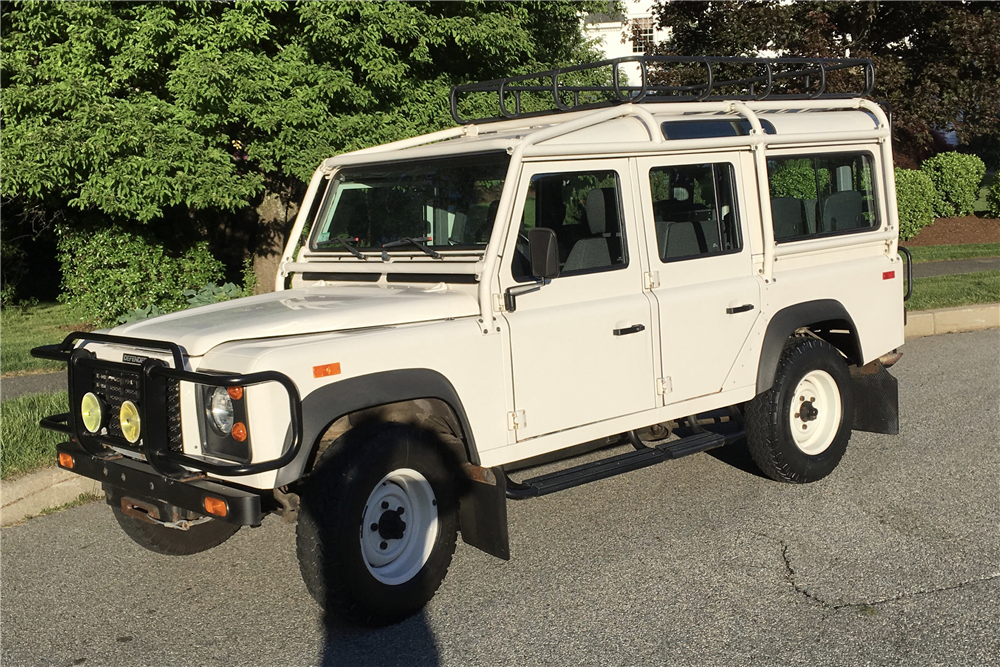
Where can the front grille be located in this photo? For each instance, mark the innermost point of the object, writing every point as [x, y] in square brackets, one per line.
[116, 387]
[174, 437]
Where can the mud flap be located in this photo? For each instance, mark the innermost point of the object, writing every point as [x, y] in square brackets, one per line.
[483, 511]
[876, 399]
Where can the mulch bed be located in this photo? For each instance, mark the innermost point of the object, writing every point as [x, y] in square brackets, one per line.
[953, 231]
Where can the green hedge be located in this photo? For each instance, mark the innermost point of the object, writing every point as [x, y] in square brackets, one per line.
[915, 201]
[956, 178]
[109, 271]
[993, 198]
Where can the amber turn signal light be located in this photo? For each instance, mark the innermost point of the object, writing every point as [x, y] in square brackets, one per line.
[239, 432]
[216, 506]
[65, 461]
[326, 370]
[235, 393]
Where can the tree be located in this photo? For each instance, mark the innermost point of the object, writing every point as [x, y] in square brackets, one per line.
[175, 115]
[937, 64]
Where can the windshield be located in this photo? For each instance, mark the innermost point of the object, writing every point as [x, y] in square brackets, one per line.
[441, 203]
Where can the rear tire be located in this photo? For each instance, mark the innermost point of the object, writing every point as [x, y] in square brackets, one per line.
[174, 541]
[798, 430]
[378, 524]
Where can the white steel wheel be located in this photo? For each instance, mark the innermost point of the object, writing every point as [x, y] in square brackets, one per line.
[815, 412]
[399, 526]
[798, 430]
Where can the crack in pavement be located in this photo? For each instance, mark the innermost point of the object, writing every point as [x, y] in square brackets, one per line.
[790, 576]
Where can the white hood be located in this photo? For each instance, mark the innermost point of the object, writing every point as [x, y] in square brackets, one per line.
[301, 311]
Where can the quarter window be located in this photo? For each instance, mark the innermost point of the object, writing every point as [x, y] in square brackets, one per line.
[821, 195]
[694, 211]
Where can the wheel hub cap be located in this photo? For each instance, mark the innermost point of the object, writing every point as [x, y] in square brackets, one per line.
[390, 526]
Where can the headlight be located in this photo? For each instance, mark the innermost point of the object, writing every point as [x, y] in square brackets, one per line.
[128, 418]
[92, 412]
[221, 409]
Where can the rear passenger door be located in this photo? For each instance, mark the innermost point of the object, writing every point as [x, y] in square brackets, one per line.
[708, 297]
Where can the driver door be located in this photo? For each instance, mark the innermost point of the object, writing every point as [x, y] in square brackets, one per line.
[580, 344]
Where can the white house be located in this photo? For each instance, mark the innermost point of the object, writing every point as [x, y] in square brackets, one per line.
[628, 34]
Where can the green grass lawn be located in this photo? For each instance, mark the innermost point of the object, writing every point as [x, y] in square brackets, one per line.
[24, 445]
[964, 289]
[24, 328]
[938, 253]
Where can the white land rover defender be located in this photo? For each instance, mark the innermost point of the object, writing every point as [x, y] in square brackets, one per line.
[666, 266]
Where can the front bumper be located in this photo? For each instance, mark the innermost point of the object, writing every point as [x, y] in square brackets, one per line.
[154, 385]
[135, 479]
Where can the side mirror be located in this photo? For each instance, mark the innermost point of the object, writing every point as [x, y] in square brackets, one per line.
[544, 251]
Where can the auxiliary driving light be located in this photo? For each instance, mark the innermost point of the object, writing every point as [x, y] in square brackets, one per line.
[92, 412]
[129, 420]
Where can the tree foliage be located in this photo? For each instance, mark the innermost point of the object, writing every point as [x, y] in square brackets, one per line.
[130, 108]
[172, 113]
[937, 63]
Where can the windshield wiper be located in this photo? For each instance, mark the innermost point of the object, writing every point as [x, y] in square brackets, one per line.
[344, 241]
[418, 242]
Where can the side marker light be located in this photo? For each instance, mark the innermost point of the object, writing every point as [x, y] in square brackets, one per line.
[888, 275]
[216, 506]
[65, 461]
[239, 432]
[326, 370]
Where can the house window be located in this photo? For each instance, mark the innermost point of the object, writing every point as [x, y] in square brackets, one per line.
[642, 35]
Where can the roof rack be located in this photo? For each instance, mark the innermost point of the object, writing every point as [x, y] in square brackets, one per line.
[663, 79]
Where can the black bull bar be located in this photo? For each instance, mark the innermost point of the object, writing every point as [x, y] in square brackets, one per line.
[165, 467]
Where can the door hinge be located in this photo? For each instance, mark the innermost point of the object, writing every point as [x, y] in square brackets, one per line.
[652, 279]
[516, 420]
[497, 302]
[664, 386]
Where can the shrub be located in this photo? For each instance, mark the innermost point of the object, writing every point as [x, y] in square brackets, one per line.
[212, 293]
[794, 178]
[993, 197]
[956, 178]
[914, 200]
[109, 271]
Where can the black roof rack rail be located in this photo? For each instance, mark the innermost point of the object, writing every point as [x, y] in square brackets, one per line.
[559, 90]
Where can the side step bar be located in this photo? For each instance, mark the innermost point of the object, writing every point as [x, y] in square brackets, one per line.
[615, 465]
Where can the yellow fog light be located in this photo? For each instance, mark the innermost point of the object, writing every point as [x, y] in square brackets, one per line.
[92, 412]
[129, 420]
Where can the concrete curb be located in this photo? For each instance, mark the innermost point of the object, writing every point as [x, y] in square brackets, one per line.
[27, 496]
[952, 320]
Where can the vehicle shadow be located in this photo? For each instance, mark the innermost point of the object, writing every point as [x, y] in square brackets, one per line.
[409, 643]
[738, 456]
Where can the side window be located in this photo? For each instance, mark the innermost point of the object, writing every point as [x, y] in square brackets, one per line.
[694, 210]
[584, 210]
[821, 195]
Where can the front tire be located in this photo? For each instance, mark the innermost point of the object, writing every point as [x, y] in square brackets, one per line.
[798, 430]
[378, 524]
[174, 541]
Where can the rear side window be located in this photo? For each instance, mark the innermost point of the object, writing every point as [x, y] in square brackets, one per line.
[821, 195]
[694, 211]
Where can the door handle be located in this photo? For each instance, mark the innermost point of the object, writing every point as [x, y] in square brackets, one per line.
[740, 309]
[635, 328]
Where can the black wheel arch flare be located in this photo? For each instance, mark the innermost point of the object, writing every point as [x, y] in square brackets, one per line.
[330, 402]
[821, 315]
